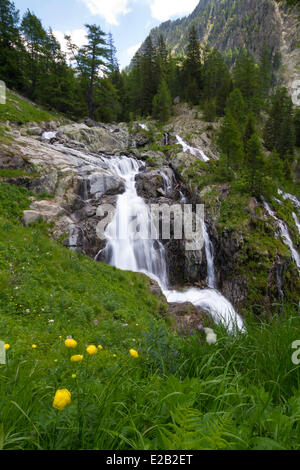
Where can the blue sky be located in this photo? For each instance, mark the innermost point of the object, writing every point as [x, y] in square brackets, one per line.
[129, 21]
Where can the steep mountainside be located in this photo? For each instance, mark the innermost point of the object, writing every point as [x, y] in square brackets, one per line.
[230, 25]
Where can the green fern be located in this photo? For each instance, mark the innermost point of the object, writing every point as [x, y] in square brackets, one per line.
[191, 430]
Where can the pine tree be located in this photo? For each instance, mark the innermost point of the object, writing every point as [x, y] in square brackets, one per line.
[192, 68]
[247, 79]
[279, 131]
[255, 165]
[149, 79]
[237, 107]
[230, 141]
[162, 103]
[36, 45]
[11, 47]
[92, 60]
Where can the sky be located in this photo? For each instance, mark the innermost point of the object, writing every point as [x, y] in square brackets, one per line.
[129, 21]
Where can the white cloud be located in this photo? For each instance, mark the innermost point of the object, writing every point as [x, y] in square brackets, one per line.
[163, 10]
[133, 49]
[78, 37]
[109, 9]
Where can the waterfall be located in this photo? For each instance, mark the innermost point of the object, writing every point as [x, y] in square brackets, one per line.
[129, 248]
[290, 197]
[296, 222]
[49, 135]
[192, 150]
[209, 251]
[128, 245]
[284, 234]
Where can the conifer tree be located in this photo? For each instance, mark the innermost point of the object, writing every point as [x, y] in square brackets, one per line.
[230, 142]
[11, 47]
[92, 60]
[162, 103]
[247, 79]
[192, 68]
[255, 165]
[279, 131]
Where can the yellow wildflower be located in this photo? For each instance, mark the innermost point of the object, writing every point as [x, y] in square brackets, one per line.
[34, 346]
[134, 353]
[77, 358]
[100, 347]
[91, 350]
[74, 376]
[62, 399]
[71, 343]
[7, 347]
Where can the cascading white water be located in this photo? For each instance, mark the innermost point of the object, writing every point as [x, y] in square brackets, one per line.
[209, 251]
[296, 222]
[192, 150]
[49, 135]
[128, 244]
[290, 197]
[284, 234]
[128, 249]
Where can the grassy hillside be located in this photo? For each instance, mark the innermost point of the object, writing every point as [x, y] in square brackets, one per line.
[240, 393]
[20, 110]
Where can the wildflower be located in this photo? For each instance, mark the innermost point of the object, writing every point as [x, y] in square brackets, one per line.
[7, 347]
[62, 399]
[70, 343]
[50, 321]
[134, 353]
[27, 311]
[91, 350]
[200, 327]
[96, 322]
[211, 338]
[74, 376]
[100, 347]
[77, 358]
[34, 346]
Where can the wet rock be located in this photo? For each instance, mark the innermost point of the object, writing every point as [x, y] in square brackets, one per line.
[38, 131]
[11, 161]
[186, 319]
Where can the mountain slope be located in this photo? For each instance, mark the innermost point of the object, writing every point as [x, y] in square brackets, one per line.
[229, 25]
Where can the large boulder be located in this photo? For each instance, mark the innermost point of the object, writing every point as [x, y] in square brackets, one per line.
[96, 139]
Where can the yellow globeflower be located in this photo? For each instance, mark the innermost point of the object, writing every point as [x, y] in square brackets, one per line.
[91, 350]
[71, 343]
[62, 399]
[77, 358]
[100, 347]
[34, 346]
[7, 347]
[134, 353]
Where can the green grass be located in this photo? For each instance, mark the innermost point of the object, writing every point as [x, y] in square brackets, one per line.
[19, 110]
[181, 394]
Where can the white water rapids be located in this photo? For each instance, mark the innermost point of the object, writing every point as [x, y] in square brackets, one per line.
[284, 232]
[129, 249]
[193, 151]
